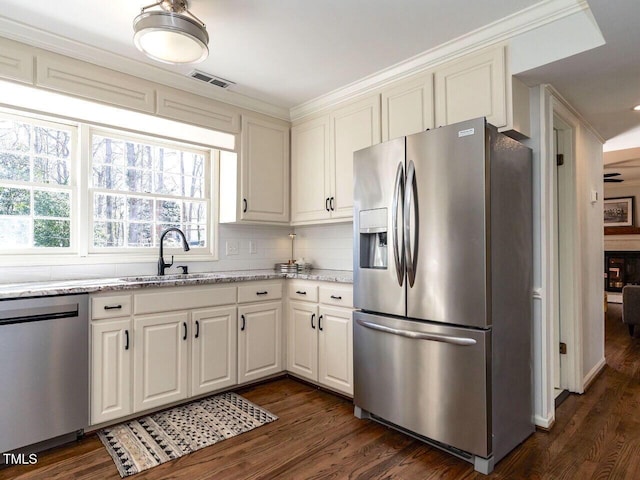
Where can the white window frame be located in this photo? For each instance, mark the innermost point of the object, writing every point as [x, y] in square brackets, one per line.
[125, 136]
[73, 188]
[80, 251]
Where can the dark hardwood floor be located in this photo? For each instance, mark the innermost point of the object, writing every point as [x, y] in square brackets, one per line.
[596, 436]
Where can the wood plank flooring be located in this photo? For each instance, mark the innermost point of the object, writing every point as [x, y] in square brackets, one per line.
[596, 436]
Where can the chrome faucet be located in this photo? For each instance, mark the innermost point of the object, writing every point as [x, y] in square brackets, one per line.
[161, 265]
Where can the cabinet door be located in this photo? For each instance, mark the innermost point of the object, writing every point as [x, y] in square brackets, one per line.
[213, 349]
[259, 350]
[353, 127]
[310, 185]
[160, 359]
[264, 171]
[110, 369]
[335, 339]
[302, 339]
[407, 108]
[472, 87]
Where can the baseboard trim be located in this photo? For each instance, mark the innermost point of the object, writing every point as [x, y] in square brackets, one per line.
[544, 424]
[593, 374]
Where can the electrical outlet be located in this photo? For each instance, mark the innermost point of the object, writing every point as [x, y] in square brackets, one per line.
[233, 247]
[253, 248]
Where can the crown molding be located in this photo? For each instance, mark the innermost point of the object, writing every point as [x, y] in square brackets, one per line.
[499, 31]
[51, 42]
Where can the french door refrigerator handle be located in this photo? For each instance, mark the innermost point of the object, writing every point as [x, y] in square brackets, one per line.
[411, 196]
[398, 194]
[436, 337]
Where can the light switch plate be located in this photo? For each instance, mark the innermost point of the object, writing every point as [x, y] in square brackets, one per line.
[233, 247]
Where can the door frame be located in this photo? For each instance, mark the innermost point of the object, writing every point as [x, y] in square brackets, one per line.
[566, 246]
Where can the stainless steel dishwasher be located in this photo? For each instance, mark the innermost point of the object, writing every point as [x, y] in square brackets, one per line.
[44, 363]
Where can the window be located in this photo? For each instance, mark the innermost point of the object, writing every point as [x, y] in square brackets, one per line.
[37, 185]
[72, 192]
[141, 187]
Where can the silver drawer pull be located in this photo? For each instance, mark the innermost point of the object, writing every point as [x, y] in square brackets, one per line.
[335, 297]
[112, 307]
[436, 337]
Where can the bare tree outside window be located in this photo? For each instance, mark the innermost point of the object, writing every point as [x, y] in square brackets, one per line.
[36, 187]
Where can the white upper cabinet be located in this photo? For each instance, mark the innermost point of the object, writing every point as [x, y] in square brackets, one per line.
[322, 160]
[264, 171]
[407, 107]
[478, 85]
[310, 173]
[353, 127]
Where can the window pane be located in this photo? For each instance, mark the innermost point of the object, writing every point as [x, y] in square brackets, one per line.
[140, 209]
[51, 204]
[140, 235]
[139, 180]
[108, 207]
[172, 239]
[110, 177]
[170, 184]
[138, 155]
[15, 136]
[14, 166]
[108, 234]
[15, 201]
[51, 141]
[194, 212]
[108, 151]
[51, 233]
[14, 232]
[168, 211]
[51, 170]
[196, 235]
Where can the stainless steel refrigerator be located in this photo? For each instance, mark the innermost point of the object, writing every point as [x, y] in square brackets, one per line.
[443, 281]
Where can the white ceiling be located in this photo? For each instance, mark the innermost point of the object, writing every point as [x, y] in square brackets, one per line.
[287, 52]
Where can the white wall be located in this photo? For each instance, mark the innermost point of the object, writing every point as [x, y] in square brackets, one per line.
[326, 246]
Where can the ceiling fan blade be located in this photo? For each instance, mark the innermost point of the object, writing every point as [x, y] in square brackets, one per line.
[616, 174]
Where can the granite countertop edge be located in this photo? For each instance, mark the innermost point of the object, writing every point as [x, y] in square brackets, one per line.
[95, 285]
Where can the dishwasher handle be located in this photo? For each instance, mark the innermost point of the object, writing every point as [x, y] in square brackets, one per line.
[38, 314]
[436, 337]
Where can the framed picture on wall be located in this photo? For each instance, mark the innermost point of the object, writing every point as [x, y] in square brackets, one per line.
[618, 212]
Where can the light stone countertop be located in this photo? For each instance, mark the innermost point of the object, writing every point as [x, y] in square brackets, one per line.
[70, 287]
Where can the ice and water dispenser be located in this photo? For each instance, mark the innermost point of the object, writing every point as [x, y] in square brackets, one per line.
[373, 238]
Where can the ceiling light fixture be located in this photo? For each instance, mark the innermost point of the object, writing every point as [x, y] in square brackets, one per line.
[171, 35]
[637, 108]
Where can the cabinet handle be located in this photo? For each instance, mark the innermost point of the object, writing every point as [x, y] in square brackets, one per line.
[326, 204]
[331, 203]
[335, 297]
[262, 293]
[197, 328]
[301, 293]
[320, 323]
[244, 205]
[244, 323]
[313, 316]
[112, 307]
[184, 324]
[126, 339]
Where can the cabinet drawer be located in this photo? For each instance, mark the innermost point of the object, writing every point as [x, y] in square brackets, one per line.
[110, 307]
[255, 292]
[303, 291]
[341, 296]
[183, 298]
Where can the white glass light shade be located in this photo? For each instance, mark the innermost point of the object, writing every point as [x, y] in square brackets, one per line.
[170, 38]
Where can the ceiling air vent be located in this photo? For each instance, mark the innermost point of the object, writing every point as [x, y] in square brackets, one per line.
[212, 79]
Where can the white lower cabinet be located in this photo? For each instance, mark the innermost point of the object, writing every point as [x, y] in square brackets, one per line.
[160, 359]
[213, 352]
[259, 334]
[320, 337]
[110, 369]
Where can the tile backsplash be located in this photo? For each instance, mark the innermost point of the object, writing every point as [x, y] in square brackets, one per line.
[325, 246]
